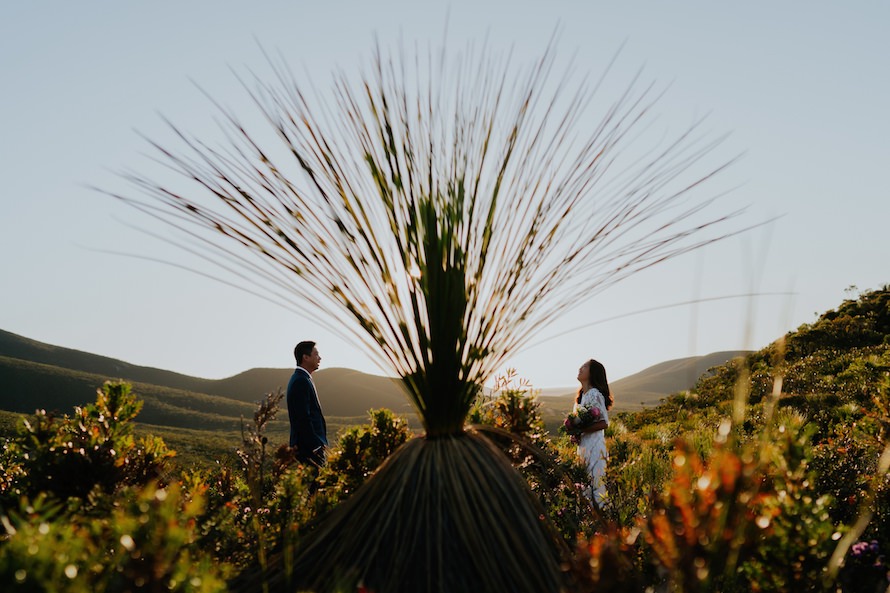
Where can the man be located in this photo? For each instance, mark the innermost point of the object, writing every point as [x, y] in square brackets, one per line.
[308, 430]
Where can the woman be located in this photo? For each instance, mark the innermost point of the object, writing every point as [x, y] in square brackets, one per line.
[594, 394]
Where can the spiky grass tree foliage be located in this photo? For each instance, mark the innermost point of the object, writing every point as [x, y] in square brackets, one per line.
[442, 211]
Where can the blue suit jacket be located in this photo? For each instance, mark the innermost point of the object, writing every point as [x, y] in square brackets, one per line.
[308, 430]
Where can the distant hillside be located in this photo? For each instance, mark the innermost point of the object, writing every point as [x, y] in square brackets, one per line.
[26, 386]
[344, 392]
[37, 375]
[649, 386]
[842, 358]
[15, 346]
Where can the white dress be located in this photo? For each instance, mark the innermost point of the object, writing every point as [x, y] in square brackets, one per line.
[592, 448]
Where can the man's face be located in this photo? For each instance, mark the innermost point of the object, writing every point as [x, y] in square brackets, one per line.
[311, 362]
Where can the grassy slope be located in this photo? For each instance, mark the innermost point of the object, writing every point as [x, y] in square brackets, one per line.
[204, 415]
[201, 428]
[641, 390]
[844, 356]
[344, 392]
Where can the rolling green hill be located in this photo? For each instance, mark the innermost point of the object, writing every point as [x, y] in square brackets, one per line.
[22, 348]
[37, 375]
[641, 390]
[26, 386]
[353, 392]
[196, 425]
[841, 359]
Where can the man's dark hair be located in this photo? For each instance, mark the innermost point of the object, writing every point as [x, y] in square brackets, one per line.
[303, 349]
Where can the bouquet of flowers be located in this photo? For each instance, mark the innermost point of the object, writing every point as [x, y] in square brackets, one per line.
[581, 418]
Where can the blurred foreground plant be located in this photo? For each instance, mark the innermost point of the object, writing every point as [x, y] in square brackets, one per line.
[747, 518]
[146, 543]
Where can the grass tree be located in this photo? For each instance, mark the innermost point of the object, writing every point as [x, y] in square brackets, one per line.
[441, 208]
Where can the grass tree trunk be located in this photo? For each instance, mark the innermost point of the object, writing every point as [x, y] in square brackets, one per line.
[448, 513]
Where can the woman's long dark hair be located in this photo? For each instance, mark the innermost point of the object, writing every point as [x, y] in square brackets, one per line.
[597, 378]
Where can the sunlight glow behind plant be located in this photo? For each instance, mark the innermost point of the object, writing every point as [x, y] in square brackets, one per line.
[441, 210]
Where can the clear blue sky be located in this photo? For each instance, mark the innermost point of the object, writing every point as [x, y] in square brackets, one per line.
[803, 87]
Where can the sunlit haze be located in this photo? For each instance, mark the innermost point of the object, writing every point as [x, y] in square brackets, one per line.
[801, 88]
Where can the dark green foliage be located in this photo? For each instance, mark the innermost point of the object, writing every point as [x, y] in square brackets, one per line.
[70, 456]
[145, 543]
[551, 467]
[697, 502]
[857, 323]
[83, 510]
[816, 424]
[361, 449]
[843, 464]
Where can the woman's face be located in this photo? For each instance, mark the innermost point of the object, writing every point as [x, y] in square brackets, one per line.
[584, 372]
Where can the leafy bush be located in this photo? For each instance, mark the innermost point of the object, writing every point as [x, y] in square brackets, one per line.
[635, 471]
[512, 405]
[252, 452]
[257, 512]
[71, 456]
[694, 505]
[552, 468]
[361, 449]
[746, 518]
[147, 543]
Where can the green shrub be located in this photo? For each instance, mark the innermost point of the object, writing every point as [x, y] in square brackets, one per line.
[512, 406]
[843, 465]
[252, 453]
[798, 533]
[71, 456]
[635, 470]
[147, 543]
[361, 449]
[226, 528]
[256, 512]
[551, 467]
